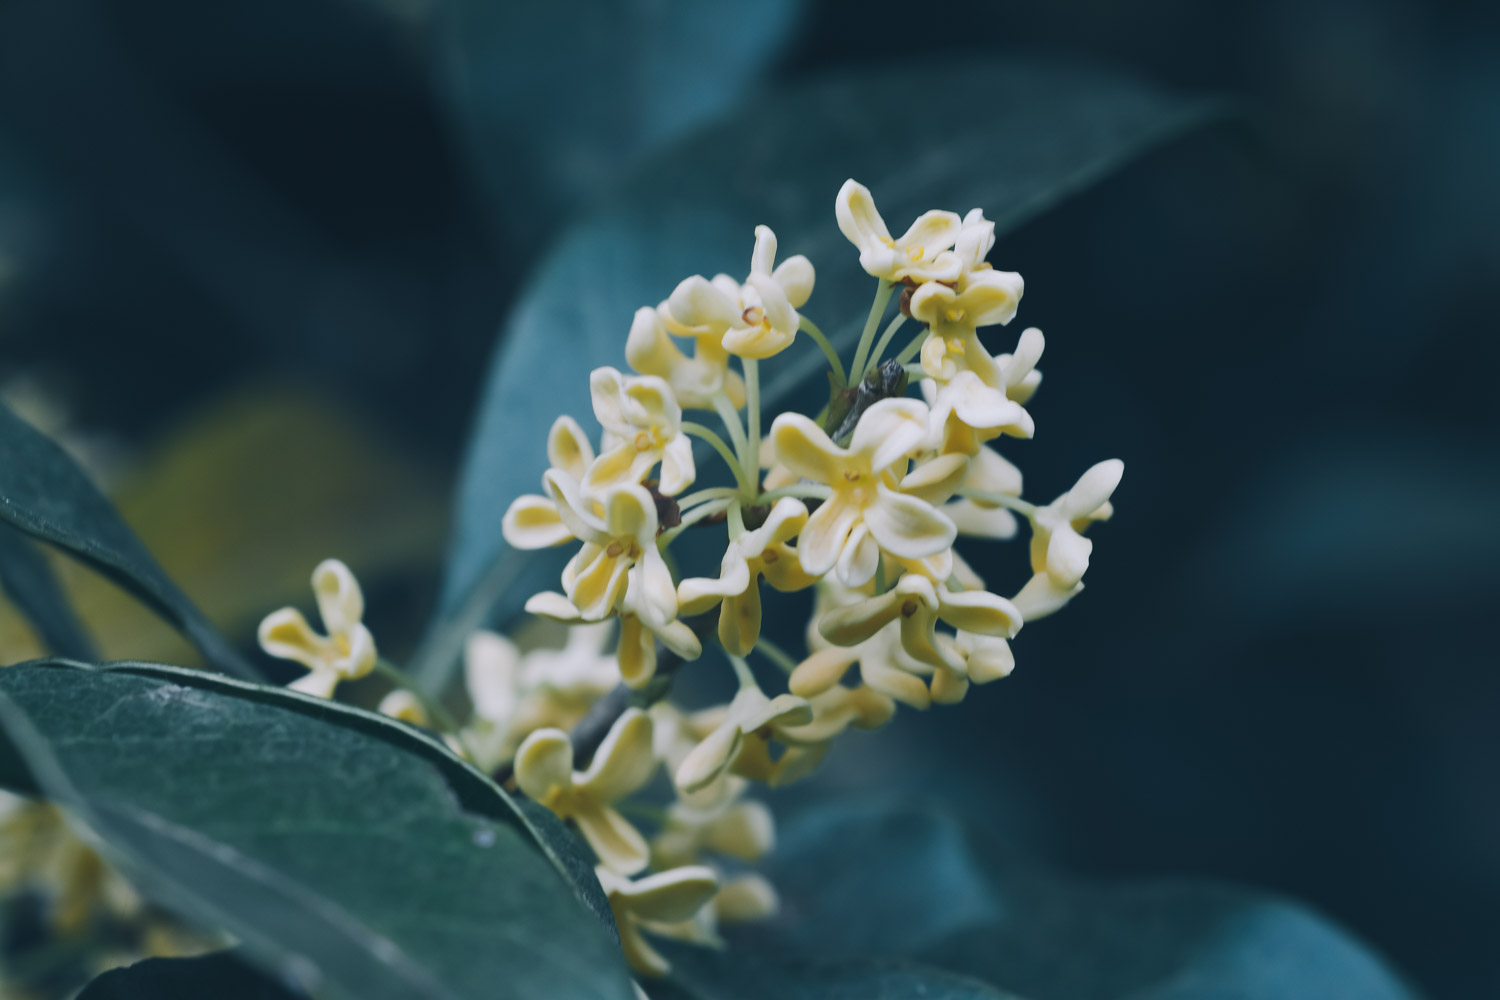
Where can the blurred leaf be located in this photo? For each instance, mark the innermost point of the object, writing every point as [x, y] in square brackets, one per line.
[347, 852]
[1014, 140]
[669, 64]
[243, 499]
[46, 495]
[27, 578]
[221, 976]
[897, 881]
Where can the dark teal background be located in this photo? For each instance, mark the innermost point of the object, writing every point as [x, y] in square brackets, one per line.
[1284, 670]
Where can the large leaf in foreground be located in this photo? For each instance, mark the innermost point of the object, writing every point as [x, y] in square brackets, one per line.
[873, 879]
[44, 493]
[1013, 139]
[220, 976]
[345, 851]
[27, 579]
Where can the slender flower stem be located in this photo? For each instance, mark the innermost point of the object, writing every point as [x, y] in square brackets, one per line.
[742, 671]
[732, 460]
[711, 493]
[752, 414]
[736, 520]
[691, 518]
[884, 342]
[916, 371]
[910, 350]
[437, 713]
[1000, 499]
[765, 647]
[883, 290]
[731, 418]
[796, 490]
[834, 364]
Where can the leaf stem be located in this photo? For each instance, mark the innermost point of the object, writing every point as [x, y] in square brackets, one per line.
[834, 364]
[1002, 500]
[910, 350]
[765, 647]
[884, 342]
[883, 290]
[697, 430]
[817, 490]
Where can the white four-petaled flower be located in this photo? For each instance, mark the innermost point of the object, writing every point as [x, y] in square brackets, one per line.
[756, 319]
[347, 652]
[923, 253]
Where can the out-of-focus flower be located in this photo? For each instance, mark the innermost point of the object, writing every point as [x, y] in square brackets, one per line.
[622, 764]
[694, 380]
[347, 652]
[665, 898]
[742, 719]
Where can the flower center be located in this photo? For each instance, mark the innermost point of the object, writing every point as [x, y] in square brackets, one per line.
[769, 556]
[955, 344]
[916, 253]
[954, 315]
[754, 316]
[908, 609]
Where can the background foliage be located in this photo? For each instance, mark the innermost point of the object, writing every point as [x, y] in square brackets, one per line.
[211, 218]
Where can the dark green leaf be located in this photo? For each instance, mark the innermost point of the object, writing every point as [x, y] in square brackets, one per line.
[1012, 139]
[221, 976]
[27, 578]
[541, 156]
[704, 975]
[877, 879]
[347, 852]
[44, 493]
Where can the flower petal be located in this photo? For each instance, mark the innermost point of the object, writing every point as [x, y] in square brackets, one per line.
[702, 306]
[677, 468]
[804, 448]
[1067, 557]
[795, 275]
[1092, 491]
[624, 761]
[710, 758]
[888, 431]
[906, 526]
[854, 623]
[550, 604]
[532, 522]
[491, 672]
[859, 558]
[568, 447]
[286, 635]
[636, 652]
[673, 895]
[822, 669]
[320, 683]
[629, 512]
[991, 297]
[618, 845]
[763, 257]
[698, 594]
[1042, 597]
[544, 763]
[980, 612]
[936, 479]
[933, 232]
[858, 219]
[341, 604]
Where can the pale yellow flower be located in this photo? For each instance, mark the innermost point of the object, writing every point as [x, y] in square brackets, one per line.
[918, 605]
[401, 704]
[619, 554]
[973, 385]
[762, 552]
[694, 380]
[643, 423]
[921, 254]
[531, 521]
[668, 897]
[837, 709]
[622, 764]
[756, 319]
[882, 664]
[347, 652]
[738, 725]
[742, 829]
[641, 625]
[513, 694]
[866, 513]
[1059, 552]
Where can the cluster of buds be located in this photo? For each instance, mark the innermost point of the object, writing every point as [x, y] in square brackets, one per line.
[861, 506]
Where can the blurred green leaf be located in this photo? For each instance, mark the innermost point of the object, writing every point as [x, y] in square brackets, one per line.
[701, 975]
[28, 580]
[347, 852]
[1012, 139]
[880, 879]
[221, 976]
[46, 495]
[670, 64]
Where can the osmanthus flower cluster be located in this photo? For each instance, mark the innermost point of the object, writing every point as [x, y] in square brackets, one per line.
[859, 508]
